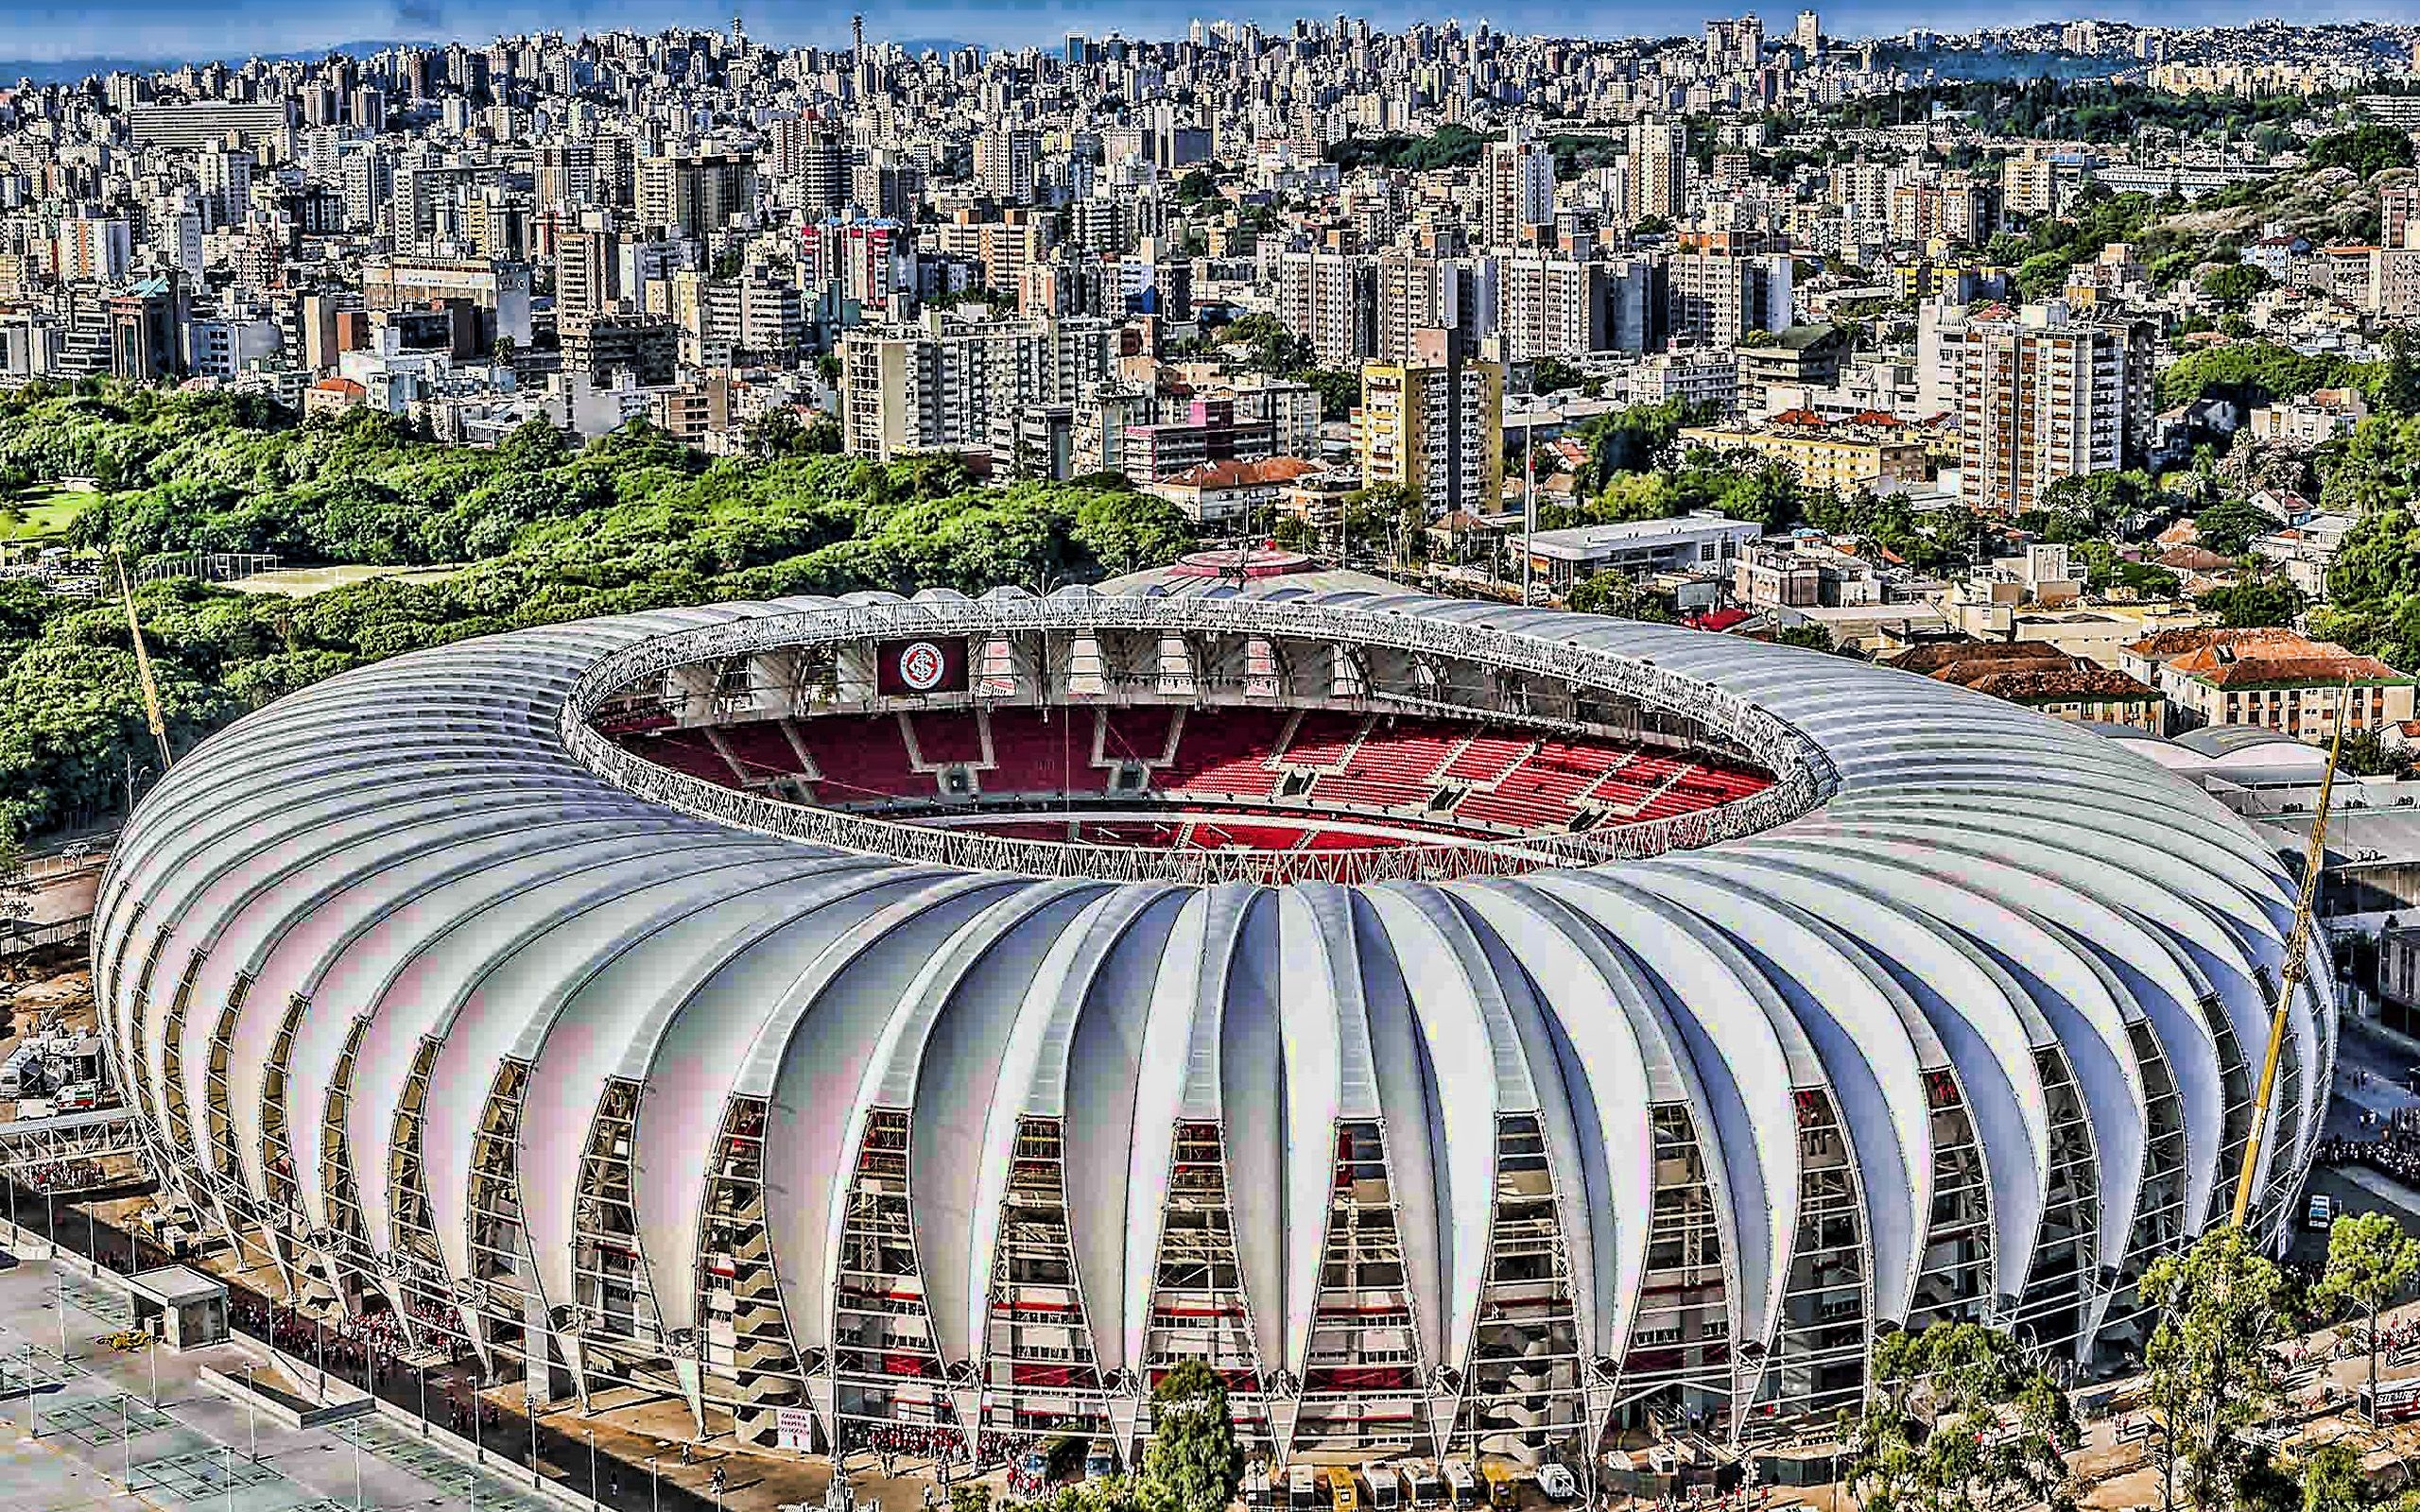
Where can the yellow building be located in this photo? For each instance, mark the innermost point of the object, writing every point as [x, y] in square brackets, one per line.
[1846, 455]
[1434, 425]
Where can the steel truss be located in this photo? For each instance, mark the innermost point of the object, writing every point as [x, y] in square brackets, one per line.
[1804, 776]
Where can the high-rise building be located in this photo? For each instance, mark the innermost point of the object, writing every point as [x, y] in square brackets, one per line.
[1551, 307]
[1809, 33]
[1516, 185]
[94, 249]
[1330, 300]
[1659, 168]
[2045, 397]
[2398, 214]
[586, 271]
[867, 261]
[226, 187]
[1733, 43]
[191, 127]
[1717, 295]
[951, 384]
[813, 159]
[887, 188]
[566, 174]
[1414, 293]
[691, 195]
[1434, 425]
[1005, 159]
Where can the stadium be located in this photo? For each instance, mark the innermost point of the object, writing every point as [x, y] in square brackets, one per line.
[1470, 1030]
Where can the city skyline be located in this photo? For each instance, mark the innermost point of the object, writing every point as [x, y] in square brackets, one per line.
[153, 33]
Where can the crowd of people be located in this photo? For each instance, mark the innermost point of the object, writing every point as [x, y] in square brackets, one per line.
[2389, 1145]
[892, 1442]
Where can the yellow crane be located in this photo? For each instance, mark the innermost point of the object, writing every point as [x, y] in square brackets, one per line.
[142, 667]
[2289, 977]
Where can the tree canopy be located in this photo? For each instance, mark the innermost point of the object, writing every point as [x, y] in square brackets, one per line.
[542, 530]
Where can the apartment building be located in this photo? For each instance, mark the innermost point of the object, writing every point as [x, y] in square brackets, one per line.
[1434, 425]
[2274, 678]
[2044, 397]
[1330, 300]
[1876, 454]
[948, 384]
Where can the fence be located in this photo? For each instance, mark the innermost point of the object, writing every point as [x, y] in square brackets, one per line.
[22, 938]
[436, 1400]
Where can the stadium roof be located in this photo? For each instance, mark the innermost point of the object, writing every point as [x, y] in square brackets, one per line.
[425, 849]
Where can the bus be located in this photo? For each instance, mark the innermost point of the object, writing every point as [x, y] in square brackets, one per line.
[1343, 1494]
[1460, 1484]
[1501, 1485]
[1385, 1490]
[1302, 1488]
[1422, 1484]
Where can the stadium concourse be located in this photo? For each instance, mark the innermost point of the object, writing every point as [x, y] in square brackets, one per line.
[1472, 1030]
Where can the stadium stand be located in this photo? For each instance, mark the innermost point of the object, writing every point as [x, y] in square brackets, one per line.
[1231, 771]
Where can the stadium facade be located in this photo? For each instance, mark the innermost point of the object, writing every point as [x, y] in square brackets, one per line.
[1470, 1030]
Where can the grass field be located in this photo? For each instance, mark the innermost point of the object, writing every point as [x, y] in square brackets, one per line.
[302, 582]
[40, 514]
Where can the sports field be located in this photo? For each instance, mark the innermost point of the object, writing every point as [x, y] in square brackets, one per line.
[302, 582]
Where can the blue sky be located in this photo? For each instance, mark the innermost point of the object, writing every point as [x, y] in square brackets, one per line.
[45, 30]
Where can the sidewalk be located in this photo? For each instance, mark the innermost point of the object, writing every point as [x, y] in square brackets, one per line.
[199, 1451]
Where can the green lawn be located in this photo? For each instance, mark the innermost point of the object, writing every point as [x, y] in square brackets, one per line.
[40, 514]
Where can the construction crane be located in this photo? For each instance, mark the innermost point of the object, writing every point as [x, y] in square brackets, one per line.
[2289, 977]
[143, 668]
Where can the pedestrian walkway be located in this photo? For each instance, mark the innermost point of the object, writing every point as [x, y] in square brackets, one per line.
[88, 1439]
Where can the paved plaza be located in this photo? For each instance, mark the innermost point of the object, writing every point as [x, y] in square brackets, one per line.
[87, 1436]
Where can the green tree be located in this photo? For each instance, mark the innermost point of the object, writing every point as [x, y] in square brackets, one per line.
[2209, 1371]
[1958, 1420]
[2370, 1261]
[2365, 149]
[1195, 1462]
[2229, 526]
[2255, 602]
[1613, 592]
[2333, 1480]
[970, 1496]
[2234, 284]
[16, 889]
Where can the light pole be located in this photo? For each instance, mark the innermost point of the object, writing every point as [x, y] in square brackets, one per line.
[594, 1504]
[653, 1503]
[125, 1444]
[423, 1399]
[252, 1429]
[151, 1356]
[227, 1463]
[356, 1468]
[530, 1406]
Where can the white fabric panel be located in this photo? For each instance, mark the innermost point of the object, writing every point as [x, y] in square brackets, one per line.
[1031, 1079]
[1745, 1076]
[1470, 1078]
[1876, 1081]
[1315, 992]
[1108, 1063]
[938, 1057]
[1251, 1112]
[1415, 1141]
[834, 1011]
